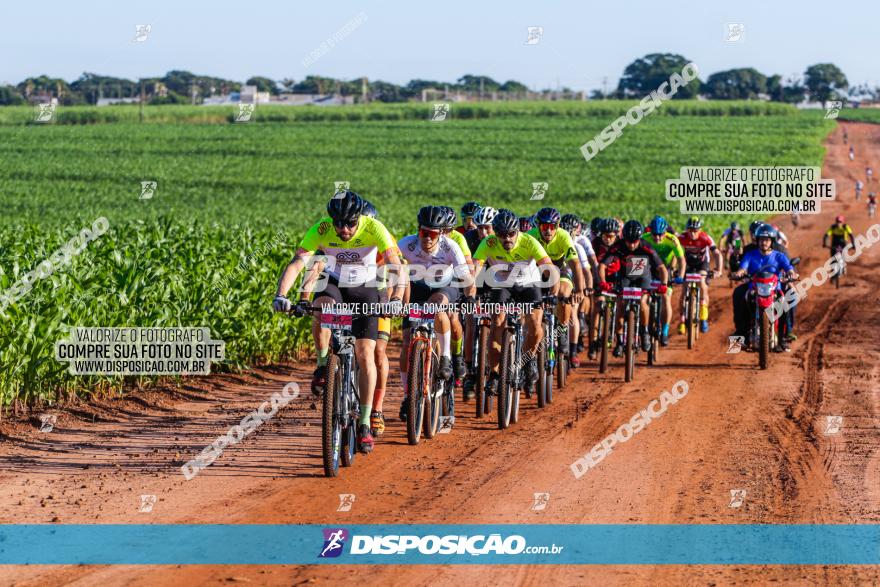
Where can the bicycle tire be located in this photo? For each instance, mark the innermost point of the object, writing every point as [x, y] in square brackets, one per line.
[690, 318]
[605, 319]
[631, 341]
[415, 396]
[433, 402]
[483, 405]
[331, 427]
[504, 383]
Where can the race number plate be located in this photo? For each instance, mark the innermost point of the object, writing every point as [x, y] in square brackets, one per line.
[335, 320]
[632, 293]
[418, 316]
[654, 285]
[690, 277]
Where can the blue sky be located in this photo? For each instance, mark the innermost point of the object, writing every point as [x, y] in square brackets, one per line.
[582, 43]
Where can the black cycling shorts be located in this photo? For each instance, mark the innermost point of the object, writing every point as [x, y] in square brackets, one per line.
[697, 266]
[420, 291]
[642, 281]
[361, 326]
[519, 294]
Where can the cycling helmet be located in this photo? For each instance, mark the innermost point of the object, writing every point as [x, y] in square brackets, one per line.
[658, 225]
[525, 223]
[608, 225]
[766, 231]
[505, 221]
[570, 222]
[694, 223]
[450, 217]
[734, 226]
[633, 230]
[754, 226]
[548, 216]
[370, 210]
[345, 206]
[433, 217]
[594, 225]
[839, 219]
[485, 215]
[469, 209]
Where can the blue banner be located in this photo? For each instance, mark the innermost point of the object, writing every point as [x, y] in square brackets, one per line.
[204, 544]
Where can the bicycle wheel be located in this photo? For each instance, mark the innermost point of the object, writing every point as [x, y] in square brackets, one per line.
[631, 341]
[691, 317]
[415, 393]
[331, 426]
[505, 383]
[433, 401]
[654, 330]
[604, 336]
[542, 377]
[561, 358]
[483, 401]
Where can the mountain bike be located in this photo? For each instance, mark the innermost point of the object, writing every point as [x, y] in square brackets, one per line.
[655, 321]
[606, 306]
[632, 299]
[428, 396]
[511, 379]
[692, 295]
[481, 342]
[841, 266]
[547, 357]
[340, 409]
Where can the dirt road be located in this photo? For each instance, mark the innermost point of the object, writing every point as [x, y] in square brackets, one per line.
[737, 429]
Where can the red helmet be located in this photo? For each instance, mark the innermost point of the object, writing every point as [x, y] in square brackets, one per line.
[839, 219]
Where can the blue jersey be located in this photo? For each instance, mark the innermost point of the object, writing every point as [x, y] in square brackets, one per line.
[755, 261]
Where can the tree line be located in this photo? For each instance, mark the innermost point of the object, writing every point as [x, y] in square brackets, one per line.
[820, 82]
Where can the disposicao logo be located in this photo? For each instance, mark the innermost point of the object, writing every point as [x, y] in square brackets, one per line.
[334, 541]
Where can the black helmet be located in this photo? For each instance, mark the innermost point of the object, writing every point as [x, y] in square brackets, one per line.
[694, 223]
[734, 226]
[469, 209]
[370, 210]
[525, 223]
[449, 218]
[595, 223]
[607, 225]
[345, 206]
[766, 231]
[505, 221]
[754, 226]
[570, 222]
[548, 216]
[432, 217]
[633, 230]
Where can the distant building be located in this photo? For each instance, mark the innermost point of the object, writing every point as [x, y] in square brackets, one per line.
[250, 95]
[109, 101]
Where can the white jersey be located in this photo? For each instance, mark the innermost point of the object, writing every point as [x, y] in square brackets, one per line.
[584, 242]
[582, 256]
[447, 258]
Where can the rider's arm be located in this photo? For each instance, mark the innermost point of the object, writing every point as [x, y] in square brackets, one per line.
[311, 279]
[392, 262]
[825, 238]
[546, 264]
[852, 239]
[292, 271]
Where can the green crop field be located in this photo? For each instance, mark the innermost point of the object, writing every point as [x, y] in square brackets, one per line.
[225, 190]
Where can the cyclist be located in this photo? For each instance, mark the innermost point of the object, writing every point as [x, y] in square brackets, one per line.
[637, 261]
[351, 243]
[838, 233]
[448, 230]
[467, 217]
[753, 227]
[607, 236]
[560, 248]
[587, 258]
[762, 258]
[670, 251]
[869, 174]
[732, 241]
[698, 246]
[593, 232]
[859, 186]
[525, 223]
[852, 154]
[845, 135]
[430, 248]
[517, 257]
[483, 219]
[872, 204]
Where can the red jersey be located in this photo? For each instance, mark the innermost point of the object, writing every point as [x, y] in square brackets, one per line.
[461, 229]
[696, 249]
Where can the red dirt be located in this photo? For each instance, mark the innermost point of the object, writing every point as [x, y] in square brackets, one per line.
[738, 428]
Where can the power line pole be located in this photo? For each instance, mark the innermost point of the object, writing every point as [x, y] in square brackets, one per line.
[604, 88]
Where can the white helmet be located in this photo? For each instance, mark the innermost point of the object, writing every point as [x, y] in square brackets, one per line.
[485, 215]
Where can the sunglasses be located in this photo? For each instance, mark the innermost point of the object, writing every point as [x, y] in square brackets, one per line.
[345, 224]
[547, 226]
[428, 233]
[506, 235]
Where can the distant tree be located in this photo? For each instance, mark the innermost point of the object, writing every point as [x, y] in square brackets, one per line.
[315, 84]
[44, 86]
[10, 96]
[264, 84]
[89, 87]
[735, 84]
[644, 75]
[471, 83]
[287, 84]
[513, 86]
[774, 88]
[387, 92]
[825, 81]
